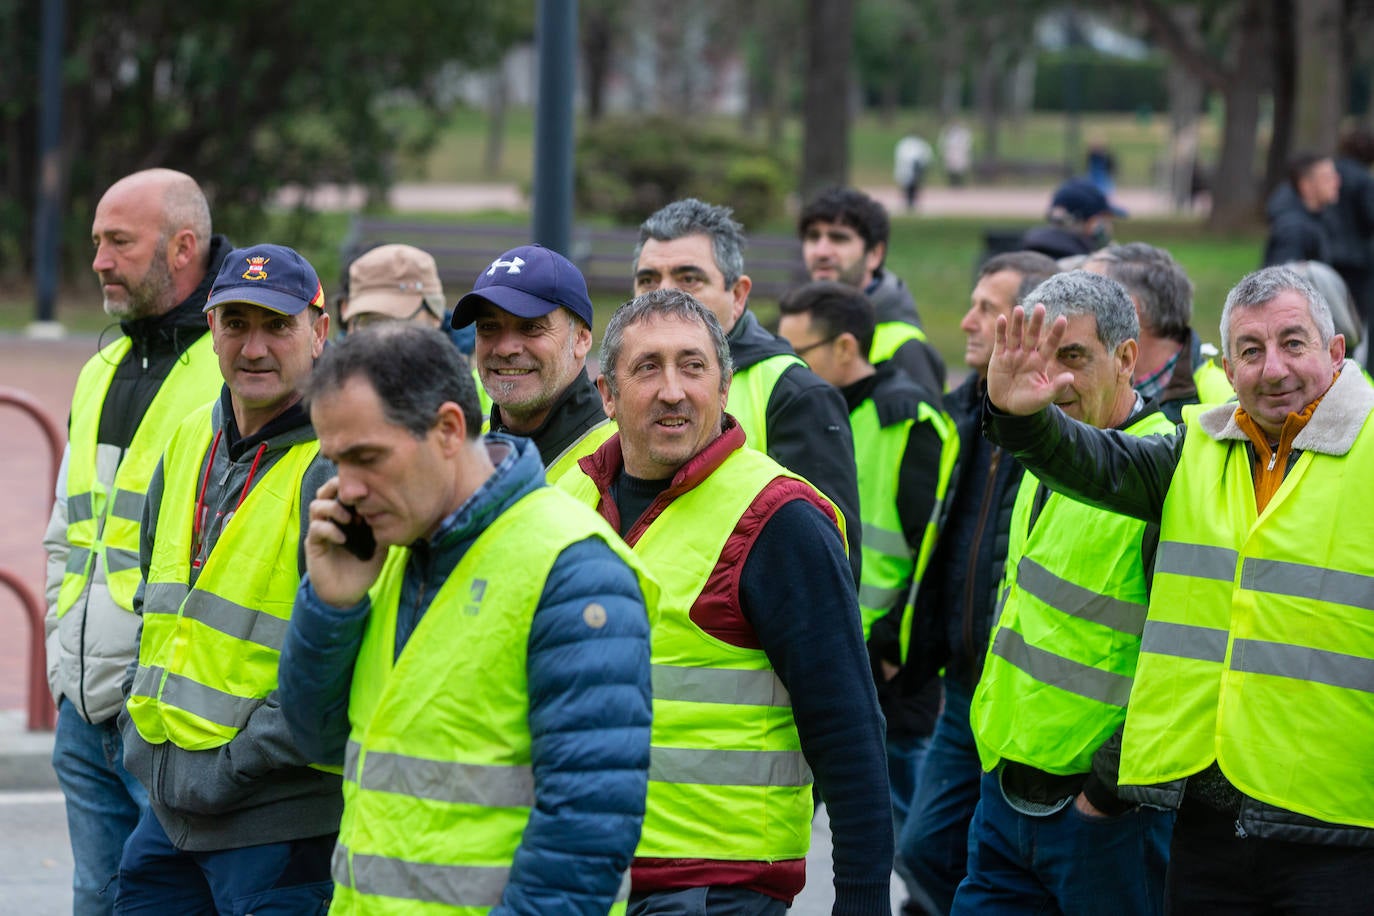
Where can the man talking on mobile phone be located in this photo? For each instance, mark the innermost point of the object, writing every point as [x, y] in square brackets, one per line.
[483, 675]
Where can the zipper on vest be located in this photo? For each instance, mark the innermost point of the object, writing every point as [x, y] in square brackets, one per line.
[1240, 830]
[1273, 458]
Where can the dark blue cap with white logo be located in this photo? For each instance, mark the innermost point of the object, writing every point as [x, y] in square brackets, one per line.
[528, 281]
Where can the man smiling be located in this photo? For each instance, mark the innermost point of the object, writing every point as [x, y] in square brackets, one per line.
[760, 671]
[534, 329]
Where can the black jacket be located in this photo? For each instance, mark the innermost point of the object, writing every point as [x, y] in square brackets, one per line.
[808, 426]
[954, 604]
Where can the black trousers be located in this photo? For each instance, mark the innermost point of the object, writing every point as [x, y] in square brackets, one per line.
[1215, 872]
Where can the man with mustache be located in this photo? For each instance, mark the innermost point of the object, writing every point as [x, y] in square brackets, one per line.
[155, 257]
[238, 818]
[534, 328]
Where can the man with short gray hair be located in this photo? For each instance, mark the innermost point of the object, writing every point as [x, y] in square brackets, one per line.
[786, 411]
[1049, 833]
[1175, 366]
[760, 672]
[1252, 711]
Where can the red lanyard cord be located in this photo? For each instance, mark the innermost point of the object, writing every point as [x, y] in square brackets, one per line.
[198, 522]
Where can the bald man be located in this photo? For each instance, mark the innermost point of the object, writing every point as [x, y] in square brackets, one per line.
[155, 258]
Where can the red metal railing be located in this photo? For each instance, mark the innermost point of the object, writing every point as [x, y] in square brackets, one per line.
[42, 715]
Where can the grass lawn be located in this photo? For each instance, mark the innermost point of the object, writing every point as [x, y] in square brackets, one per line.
[936, 257]
[1139, 144]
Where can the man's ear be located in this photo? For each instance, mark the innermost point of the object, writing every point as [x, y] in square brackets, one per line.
[1126, 355]
[452, 427]
[607, 401]
[740, 292]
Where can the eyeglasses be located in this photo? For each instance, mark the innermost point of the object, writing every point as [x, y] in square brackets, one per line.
[366, 319]
[811, 346]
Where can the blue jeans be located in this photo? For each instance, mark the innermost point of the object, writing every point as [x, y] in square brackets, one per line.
[103, 804]
[905, 756]
[274, 879]
[1065, 862]
[933, 843]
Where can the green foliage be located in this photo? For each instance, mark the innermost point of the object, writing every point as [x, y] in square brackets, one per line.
[242, 96]
[1099, 83]
[628, 168]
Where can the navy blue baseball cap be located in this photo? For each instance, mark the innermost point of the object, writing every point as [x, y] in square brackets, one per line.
[272, 276]
[528, 281]
[1083, 200]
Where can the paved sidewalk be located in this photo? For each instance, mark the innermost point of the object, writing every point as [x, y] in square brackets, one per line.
[992, 202]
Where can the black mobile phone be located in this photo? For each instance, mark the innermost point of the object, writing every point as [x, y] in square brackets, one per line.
[358, 537]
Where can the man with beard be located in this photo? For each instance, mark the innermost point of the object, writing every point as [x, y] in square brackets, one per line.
[844, 235]
[534, 329]
[155, 257]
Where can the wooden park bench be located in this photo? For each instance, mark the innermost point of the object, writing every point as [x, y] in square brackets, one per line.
[604, 255]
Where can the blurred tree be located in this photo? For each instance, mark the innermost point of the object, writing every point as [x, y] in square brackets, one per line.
[889, 42]
[1231, 50]
[244, 96]
[825, 106]
[772, 42]
[600, 22]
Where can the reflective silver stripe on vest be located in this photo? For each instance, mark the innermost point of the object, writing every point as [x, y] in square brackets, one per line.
[1066, 674]
[164, 597]
[623, 893]
[1196, 560]
[1083, 603]
[80, 508]
[117, 560]
[76, 560]
[1298, 580]
[128, 505]
[889, 543]
[215, 612]
[875, 597]
[1205, 644]
[728, 768]
[183, 693]
[719, 685]
[1335, 669]
[453, 885]
[442, 780]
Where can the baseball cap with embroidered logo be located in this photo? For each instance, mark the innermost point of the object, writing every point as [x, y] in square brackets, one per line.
[529, 281]
[274, 277]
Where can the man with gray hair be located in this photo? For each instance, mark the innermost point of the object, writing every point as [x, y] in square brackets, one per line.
[1049, 833]
[155, 258]
[760, 672]
[785, 410]
[1252, 709]
[1175, 366]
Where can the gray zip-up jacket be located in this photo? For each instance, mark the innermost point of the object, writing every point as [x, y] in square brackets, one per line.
[258, 788]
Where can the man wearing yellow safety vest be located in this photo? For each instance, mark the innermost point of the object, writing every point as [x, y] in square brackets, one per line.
[905, 448]
[240, 820]
[844, 235]
[953, 609]
[759, 670]
[1175, 367]
[483, 673]
[1252, 709]
[1049, 834]
[785, 410]
[155, 257]
[533, 319]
